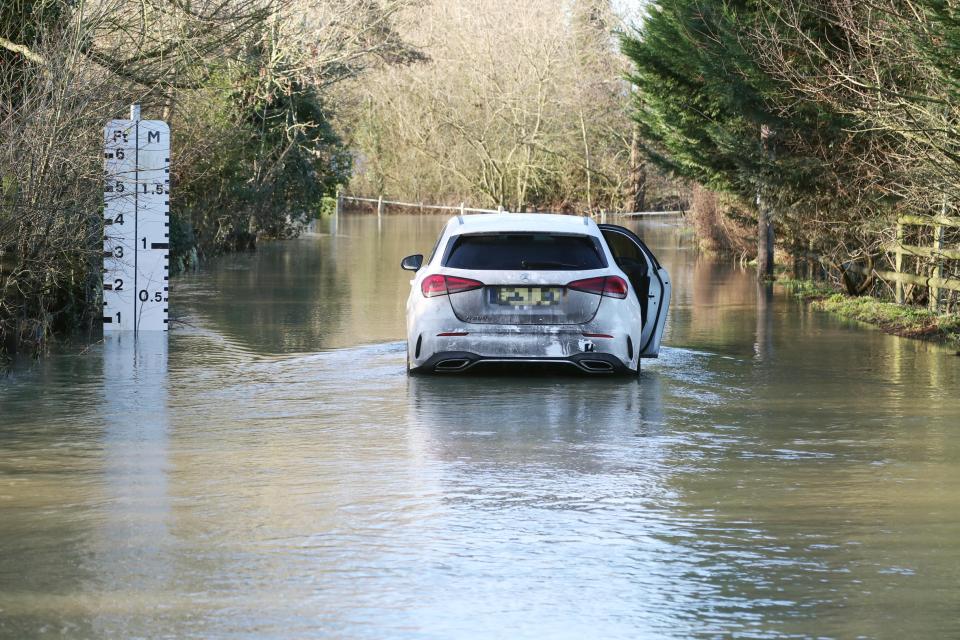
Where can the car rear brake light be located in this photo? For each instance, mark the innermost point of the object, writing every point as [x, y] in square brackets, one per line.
[433, 286]
[597, 335]
[452, 334]
[459, 285]
[437, 285]
[590, 285]
[615, 287]
[609, 286]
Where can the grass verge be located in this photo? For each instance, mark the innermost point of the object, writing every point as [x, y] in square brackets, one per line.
[900, 320]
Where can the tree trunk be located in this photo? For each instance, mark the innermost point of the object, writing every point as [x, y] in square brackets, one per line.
[765, 227]
[764, 241]
[637, 187]
[168, 107]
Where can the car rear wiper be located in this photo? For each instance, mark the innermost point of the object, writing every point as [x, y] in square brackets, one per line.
[546, 264]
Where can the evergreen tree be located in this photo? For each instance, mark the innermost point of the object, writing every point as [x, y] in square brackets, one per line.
[701, 106]
[712, 108]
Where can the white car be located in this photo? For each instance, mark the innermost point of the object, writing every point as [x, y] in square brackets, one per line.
[535, 288]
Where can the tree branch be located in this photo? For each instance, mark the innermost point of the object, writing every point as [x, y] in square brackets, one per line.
[22, 50]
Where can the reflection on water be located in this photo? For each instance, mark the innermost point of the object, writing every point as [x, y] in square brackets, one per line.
[274, 472]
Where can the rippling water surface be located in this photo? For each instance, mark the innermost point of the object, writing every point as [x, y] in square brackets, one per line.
[270, 471]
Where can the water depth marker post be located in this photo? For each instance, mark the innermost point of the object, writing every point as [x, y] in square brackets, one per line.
[136, 219]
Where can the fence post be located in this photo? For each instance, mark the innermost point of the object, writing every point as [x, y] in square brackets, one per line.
[380, 206]
[933, 298]
[339, 208]
[499, 208]
[461, 208]
[603, 216]
[898, 263]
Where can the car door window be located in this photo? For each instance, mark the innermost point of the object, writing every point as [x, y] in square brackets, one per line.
[632, 261]
[649, 280]
[625, 251]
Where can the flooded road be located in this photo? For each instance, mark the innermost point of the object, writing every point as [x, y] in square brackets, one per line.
[272, 472]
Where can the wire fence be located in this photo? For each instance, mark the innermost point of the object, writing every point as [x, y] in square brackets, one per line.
[380, 203]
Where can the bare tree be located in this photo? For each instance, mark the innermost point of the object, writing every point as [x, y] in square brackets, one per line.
[518, 104]
[882, 68]
[242, 82]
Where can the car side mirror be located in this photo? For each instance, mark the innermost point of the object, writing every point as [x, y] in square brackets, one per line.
[412, 263]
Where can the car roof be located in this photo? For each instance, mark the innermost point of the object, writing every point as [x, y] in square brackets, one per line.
[492, 222]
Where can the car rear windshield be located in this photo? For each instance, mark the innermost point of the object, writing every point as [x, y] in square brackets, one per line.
[517, 251]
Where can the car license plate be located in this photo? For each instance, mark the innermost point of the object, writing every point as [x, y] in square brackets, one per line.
[527, 296]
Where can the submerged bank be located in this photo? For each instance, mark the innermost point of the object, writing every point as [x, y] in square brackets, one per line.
[889, 317]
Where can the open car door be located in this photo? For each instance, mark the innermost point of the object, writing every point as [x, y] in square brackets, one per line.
[650, 281]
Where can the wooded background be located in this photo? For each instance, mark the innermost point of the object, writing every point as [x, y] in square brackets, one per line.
[807, 126]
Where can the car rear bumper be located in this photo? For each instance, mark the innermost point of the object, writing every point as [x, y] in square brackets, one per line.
[448, 362]
[614, 332]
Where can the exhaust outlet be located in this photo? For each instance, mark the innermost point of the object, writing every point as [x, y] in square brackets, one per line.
[596, 365]
[453, 364]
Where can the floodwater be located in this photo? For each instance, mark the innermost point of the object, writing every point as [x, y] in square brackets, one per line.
[272, 472]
